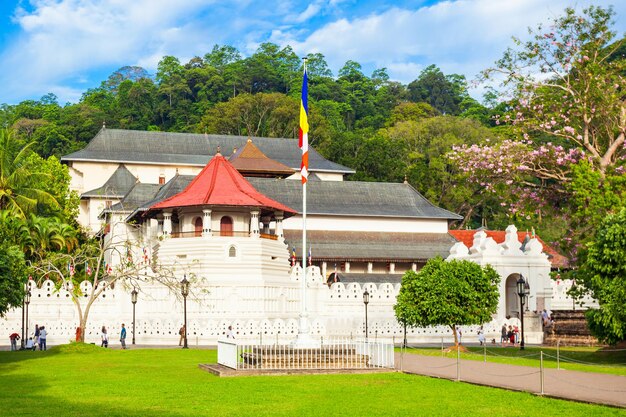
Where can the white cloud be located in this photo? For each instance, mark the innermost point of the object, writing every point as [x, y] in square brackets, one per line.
[65, 42]
[463, 36]
[62, 40]
[310, 11]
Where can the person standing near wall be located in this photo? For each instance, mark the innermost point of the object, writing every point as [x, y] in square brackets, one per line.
[14, 337]
[36, 336]
[181, 333]
[123, 337]
[43, 334]
[105, 337]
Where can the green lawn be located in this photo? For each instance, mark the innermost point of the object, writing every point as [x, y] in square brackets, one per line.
[75, 380]
[587, 359]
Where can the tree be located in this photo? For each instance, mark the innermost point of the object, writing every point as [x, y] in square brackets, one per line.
[444, 92]
[425, 143]
[448, 293]
[568, 84]
[91, 262]
[21, 188]
[602, 273]
[13, 271]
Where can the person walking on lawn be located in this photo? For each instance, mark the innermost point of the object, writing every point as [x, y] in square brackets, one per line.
[123, 337]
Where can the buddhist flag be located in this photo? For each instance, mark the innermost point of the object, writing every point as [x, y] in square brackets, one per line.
[310, 257]
[304, 129]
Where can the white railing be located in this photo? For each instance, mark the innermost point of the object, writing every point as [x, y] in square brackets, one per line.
[227, 353]
[340, 354]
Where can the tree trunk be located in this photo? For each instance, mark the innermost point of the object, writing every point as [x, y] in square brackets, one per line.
[456, 341]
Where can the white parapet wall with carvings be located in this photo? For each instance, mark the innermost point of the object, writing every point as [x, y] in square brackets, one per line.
[334, 312]
[262, 303]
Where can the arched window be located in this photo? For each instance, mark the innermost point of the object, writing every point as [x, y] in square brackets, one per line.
[226, 226]
[232, 252]
[197, 224]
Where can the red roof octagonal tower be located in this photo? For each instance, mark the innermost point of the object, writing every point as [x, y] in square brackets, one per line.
[220, 184]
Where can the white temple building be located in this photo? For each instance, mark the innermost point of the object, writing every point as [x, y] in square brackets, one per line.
[190, 207]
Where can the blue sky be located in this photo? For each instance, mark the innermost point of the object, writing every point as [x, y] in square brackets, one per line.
[67, 46]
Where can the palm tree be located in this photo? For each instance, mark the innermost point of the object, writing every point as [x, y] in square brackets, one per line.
[20, 183]
[49, 234]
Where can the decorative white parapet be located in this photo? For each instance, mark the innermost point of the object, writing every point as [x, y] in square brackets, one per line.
[511, 244]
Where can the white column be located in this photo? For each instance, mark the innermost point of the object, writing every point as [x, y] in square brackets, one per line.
[324, 266]
[254, 223]
[347, 267]
[392, 268]
[279, 215]
[167, 223]
[370, 267]
[206, 223]
[414, 267]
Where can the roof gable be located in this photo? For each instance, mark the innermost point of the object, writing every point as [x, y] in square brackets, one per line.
[251, 160]
[120, 182]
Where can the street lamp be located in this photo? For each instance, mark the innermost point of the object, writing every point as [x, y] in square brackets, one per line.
[26, 302]
[366, 300]
[133, 299]
[184, 290]
[523, 289]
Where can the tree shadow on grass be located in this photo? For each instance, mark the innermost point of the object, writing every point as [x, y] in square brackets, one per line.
[25, 395]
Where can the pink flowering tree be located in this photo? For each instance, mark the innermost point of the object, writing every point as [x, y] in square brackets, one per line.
[527, 180]
[564, 94]
[567, 84]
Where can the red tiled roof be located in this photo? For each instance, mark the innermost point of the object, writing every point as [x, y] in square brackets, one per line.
[219, 184]
[467, 237]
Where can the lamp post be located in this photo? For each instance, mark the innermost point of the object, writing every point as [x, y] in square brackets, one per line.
[133, 299]
[22, 339]
[184, 290]
[523, 289]
[366, 300]
[27, 302]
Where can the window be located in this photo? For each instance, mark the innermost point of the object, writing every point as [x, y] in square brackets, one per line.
[161, 179]
[226, 226]
[197, 224]
[232, 252]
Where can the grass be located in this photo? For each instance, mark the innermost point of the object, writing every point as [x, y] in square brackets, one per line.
[81, 380]
[597, 360]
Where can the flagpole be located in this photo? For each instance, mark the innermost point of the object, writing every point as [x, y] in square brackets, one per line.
[304, 325]
[304, 339]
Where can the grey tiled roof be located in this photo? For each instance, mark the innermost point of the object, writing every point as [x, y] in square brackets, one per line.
[379, 246]
[348, 278]
[349, 198]
[352, 198]
[116, 145]
[136, 197]
[174, 186]
[116, 186]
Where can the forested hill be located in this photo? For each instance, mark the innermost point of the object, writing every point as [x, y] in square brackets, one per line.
[356, 119]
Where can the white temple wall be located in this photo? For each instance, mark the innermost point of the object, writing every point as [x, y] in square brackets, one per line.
[258, 293]
[255, 313]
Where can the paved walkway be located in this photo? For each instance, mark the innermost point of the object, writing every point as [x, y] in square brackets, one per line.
[571, 385]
